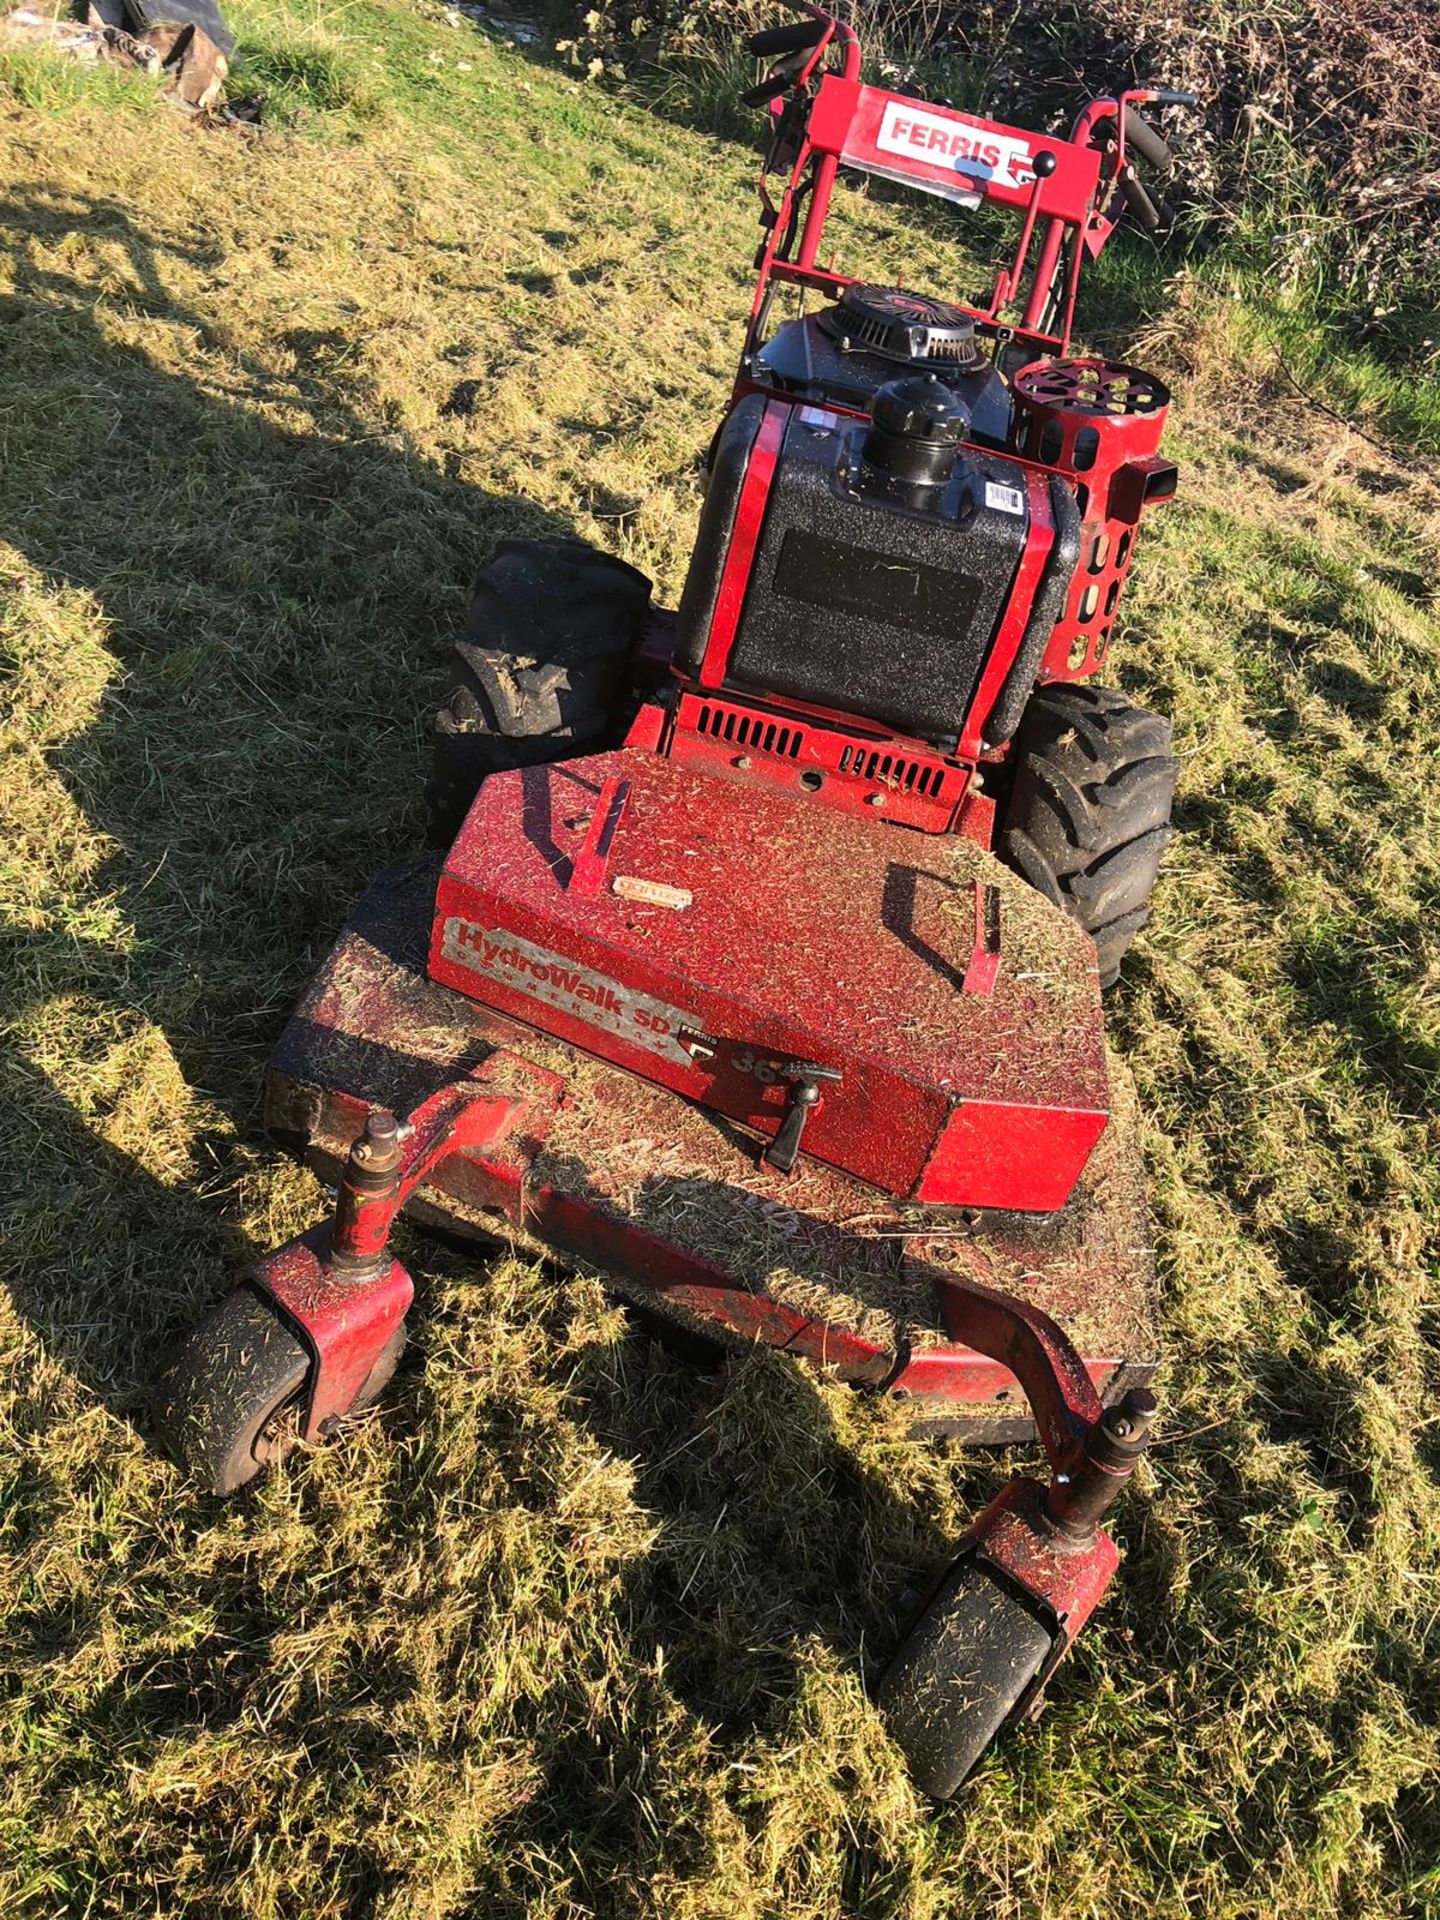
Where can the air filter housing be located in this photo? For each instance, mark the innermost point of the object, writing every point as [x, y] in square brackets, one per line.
[900, 325]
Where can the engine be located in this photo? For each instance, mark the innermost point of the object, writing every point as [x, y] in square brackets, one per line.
[889, 548]
[846, 352]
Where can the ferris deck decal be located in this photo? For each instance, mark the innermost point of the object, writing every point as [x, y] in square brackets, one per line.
[577, 991]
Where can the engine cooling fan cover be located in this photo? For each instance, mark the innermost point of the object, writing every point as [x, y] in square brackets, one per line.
[899, 324]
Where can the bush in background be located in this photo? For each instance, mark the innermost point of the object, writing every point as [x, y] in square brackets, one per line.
[1318, 132]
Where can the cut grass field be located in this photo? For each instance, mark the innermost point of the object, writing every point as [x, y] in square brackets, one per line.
[565, 1628]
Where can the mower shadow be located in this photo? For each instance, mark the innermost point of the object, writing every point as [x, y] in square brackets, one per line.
[155, 1252]
[274, 602]
[779, 1561]
[779, 1553]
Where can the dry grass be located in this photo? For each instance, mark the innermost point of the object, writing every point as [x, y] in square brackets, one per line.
[565, 1629]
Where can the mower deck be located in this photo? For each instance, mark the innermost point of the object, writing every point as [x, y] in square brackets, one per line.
[960, 1011]
[650, 1190]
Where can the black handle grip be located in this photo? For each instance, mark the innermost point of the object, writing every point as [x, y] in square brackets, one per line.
[1168, 97]
[769, 89]
[1139, 202]
[804, 33]
[1141, 138]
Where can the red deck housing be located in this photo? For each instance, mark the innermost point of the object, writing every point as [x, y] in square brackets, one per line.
[845, 944]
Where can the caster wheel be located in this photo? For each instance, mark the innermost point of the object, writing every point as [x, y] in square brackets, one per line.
[225, 1402]
[383, 1371]
[959, 1674]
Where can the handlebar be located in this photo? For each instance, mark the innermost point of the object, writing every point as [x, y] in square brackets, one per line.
[792, 44]
[1149, 144]
[791, 39]
[1120, 130]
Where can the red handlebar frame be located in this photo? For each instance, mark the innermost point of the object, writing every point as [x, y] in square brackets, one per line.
[1066, 189]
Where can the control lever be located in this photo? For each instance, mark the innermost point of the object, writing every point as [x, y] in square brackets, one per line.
[1151, 146]
[808, 1078]
[1153, 215]
[774, 84]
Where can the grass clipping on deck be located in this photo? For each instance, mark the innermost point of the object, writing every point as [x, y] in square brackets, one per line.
[844, 1254]
[684, 1176]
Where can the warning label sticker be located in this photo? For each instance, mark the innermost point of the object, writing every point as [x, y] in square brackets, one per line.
[571, 989]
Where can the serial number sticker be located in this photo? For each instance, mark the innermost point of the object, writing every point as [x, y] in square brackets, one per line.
[574, 990]
[1004, 499]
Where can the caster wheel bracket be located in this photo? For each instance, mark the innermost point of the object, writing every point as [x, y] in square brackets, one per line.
[344, 1324]
[338, 1287]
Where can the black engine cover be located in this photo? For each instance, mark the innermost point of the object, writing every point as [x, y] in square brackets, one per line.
[804, 358]
[863, 604]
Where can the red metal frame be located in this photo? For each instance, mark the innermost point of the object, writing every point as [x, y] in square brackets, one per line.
[1100, 425]
[496, 1123]
[1066, 193]
[346, 1317]
[1069, 196]
[1067, 1577]
[778, 747]
[1016, 618]
[739, 561]
[1046, 1540]
[345, 1326]
[919, 787]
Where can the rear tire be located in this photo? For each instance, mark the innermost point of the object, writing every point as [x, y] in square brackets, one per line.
[540, 671]
[956, 1679]
[1088, 816]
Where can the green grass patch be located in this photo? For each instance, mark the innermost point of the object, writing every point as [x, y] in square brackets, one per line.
[46, 81]
[304, 75]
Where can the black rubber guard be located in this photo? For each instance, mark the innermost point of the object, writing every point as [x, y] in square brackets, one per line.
[1049, 604]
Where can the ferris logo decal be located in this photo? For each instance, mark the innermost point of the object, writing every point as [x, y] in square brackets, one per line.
[574, 990]
[947, 141]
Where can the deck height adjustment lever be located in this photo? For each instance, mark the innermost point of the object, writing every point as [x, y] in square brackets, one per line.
[806, 1080]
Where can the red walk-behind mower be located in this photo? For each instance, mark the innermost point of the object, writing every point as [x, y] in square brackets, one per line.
[762, 974]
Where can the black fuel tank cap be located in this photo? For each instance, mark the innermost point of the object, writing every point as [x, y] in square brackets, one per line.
[916, 425]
